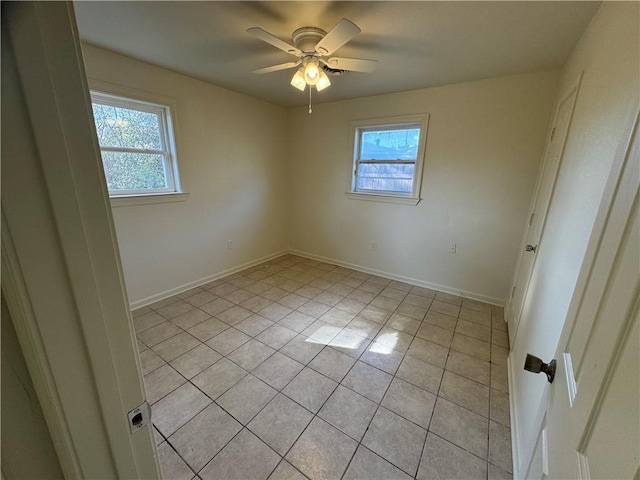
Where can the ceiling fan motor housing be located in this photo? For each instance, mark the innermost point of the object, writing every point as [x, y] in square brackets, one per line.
[312, 46]
[306, 39]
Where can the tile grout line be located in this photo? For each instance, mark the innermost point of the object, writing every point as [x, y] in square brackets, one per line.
[187, 380]
[307, 365]
[367, 429]
[237, 420]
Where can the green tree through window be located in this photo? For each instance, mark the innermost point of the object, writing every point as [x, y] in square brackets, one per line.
[133, 141]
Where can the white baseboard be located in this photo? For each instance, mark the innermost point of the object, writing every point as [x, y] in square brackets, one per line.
[414, 281]
[196, 283]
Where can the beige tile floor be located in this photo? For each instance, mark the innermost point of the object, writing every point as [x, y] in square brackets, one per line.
[297, 368]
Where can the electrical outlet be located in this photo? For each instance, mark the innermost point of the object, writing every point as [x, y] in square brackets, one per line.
[452, 248]
[229, 244]
[374, 246]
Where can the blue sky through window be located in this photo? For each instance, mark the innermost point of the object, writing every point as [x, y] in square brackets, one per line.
[390, 144]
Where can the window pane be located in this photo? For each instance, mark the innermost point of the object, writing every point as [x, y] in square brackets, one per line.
[126, 128]
[385, 176]
[390, 144]
[134, 171]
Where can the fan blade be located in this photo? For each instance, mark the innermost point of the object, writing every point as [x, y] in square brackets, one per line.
[352, 64]
[344, 31]
[275, 68]
[265, 36]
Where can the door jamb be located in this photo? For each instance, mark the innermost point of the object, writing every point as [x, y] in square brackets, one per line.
[70, 213]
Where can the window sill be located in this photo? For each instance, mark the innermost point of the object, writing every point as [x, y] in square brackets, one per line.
[372, 197]
[131, 200]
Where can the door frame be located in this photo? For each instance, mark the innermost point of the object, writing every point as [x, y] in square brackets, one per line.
[602, 216]
[61, 271]
[510, 316]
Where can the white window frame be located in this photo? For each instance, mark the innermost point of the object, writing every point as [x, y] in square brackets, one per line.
[167, 139]
[388, 123]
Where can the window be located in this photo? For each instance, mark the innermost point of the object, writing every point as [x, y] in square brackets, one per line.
[387, 158]
[137, 146]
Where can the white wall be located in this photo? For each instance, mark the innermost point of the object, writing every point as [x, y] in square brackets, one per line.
[608, 54]
[232, 160]
[484, 146]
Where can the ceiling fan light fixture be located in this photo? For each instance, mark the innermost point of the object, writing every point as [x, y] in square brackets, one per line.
[323, 81]
[311, 46]
[311, 70]
[298, 80]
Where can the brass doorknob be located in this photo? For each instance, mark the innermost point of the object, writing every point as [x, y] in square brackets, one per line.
[535, 365]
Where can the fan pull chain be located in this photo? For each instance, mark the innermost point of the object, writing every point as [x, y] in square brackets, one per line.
[310, 111]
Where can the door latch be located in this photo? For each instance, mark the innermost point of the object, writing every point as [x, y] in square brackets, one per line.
[139, 417]
[535, 365]
[531, 248]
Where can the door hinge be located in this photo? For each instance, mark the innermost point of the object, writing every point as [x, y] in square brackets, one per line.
[531, 219]
[513, 291]
[553, 133]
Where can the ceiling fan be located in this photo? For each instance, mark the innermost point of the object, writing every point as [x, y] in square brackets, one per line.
[314, 47]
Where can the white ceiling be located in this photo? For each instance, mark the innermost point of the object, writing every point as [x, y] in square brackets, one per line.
[417, 44]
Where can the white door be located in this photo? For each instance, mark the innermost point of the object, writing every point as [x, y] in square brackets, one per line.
[559, 259]
[593, 414]
[590, 425]
[546, 182]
